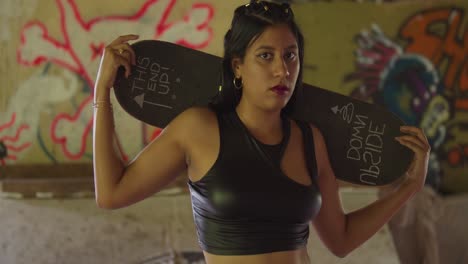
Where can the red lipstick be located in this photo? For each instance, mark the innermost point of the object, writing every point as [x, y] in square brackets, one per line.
[280, 89]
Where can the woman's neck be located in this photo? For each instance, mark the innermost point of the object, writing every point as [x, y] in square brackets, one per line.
[266, 126]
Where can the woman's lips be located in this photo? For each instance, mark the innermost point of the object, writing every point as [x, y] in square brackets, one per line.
[280, 89]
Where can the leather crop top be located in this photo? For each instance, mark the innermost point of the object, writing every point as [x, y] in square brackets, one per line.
[244, 204]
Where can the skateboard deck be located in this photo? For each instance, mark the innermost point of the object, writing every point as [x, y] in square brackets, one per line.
[168, 78]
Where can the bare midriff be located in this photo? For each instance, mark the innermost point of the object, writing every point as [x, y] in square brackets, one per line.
[298, 256]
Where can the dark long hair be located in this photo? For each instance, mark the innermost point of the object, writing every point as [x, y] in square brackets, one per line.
[248, 23]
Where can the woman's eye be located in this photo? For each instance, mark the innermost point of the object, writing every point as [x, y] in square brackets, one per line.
[265, 56]
[291, 56]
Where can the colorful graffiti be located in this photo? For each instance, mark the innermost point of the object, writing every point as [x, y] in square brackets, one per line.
[8, 141]
[77, 50]
[442, 44]
[32, 98]
[424, 82]
[445, 45]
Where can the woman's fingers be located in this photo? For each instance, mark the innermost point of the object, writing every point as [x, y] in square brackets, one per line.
[416, 148]
[414, 131]
[123, 39]
[126, 51]
[121, 46]
[415, 139]
[125, 58]
[117, 53]
[115, 60]
[122, 53]
[125, 62]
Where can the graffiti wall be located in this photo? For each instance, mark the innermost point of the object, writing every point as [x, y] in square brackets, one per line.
[410, 57]
[45, 112]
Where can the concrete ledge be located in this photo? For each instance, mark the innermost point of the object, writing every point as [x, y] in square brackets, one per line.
[47, 181]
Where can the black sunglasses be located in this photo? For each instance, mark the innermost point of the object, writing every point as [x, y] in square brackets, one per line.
[264, 8]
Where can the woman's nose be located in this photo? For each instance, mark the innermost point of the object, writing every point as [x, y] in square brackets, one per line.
[281, 68]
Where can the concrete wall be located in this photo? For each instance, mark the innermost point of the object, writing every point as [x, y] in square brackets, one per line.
[409, 56]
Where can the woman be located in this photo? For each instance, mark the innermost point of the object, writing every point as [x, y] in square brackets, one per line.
[256, 177]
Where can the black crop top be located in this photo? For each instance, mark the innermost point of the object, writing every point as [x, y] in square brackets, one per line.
[245, 204]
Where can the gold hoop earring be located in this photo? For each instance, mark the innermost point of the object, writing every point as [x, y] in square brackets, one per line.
[235, 82]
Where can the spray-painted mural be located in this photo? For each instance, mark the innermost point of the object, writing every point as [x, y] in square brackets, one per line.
[419, 71]
[423, 81]
[78, 51]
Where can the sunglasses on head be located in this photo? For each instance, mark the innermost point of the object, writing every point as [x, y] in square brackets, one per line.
[265, 8]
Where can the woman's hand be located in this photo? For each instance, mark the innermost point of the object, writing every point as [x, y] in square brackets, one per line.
[117, 53]
[416, 140]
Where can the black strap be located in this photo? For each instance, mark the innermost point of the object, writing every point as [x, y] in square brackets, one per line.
[276, 152]
[309, 149]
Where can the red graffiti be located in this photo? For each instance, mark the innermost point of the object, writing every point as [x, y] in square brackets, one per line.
[97, 50]
[17, 134]
[9, 123]
[12, 157]
[13, 138]
[62, 140]
[156, 133]
[19, 148]
[37, 47]
[457, 155]
[441, 46]
[149, 133]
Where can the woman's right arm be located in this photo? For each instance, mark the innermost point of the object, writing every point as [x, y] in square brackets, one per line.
[117, 185]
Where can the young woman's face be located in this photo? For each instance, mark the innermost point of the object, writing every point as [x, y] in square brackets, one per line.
[270, 68]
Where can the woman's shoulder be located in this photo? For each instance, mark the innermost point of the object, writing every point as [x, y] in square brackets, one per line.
[200, 115]
[305, 124]
[196, 125]
[194, 119]
[316, 132]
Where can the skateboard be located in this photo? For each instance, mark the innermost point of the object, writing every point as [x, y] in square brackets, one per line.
[169, 78]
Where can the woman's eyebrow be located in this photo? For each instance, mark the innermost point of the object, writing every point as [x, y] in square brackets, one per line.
[266, 47]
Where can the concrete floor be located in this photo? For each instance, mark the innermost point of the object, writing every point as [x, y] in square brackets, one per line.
[76, 231]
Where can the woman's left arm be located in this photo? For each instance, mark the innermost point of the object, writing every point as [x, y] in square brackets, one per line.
[342, 233]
